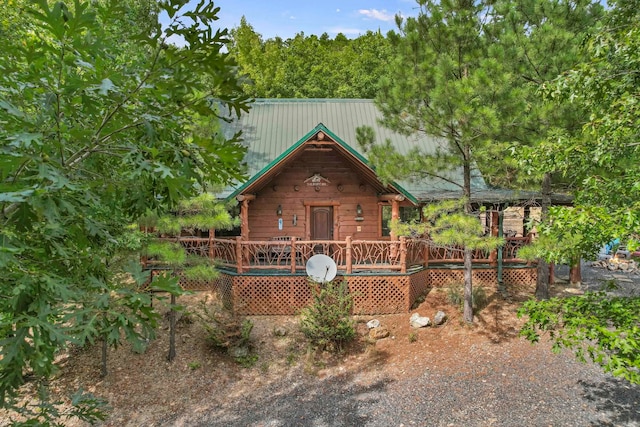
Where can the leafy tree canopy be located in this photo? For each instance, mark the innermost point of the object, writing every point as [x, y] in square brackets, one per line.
[102, 120]
[309, 66]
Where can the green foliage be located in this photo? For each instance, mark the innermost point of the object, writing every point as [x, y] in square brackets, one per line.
[341, 68]
[225, 330]
[47, 413]
[327, 321]
[571, 233]
[248, 361]
[200, 272]
[169, 253]
[455, 295]
[446, 223]
[600, 154]
[604, 328]
[102, 122]
[200, 213]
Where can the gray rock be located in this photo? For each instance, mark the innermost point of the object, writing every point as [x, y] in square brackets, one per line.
[439, 318]
[373, 323]
[417, 321]
[239, 351]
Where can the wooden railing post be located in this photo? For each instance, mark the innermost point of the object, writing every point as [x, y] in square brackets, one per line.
[493, 256]
[403, 254]
[212, 233]
[348, 260]
[239, 254]
[425, 254]
[293, 255]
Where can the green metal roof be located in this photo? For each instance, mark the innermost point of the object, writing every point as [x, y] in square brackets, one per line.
[273, 128]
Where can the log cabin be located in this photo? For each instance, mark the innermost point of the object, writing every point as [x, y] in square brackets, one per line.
[311, 190]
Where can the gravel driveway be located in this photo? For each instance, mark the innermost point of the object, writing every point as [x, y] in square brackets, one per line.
[541, 390]
[493, 385]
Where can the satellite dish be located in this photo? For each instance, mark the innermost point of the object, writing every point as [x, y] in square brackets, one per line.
[321, 268]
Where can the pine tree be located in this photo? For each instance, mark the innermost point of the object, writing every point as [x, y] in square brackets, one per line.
[448, 83]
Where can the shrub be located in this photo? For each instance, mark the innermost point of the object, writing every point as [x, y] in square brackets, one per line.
[225, 330]
[455, 295]
[327, 321]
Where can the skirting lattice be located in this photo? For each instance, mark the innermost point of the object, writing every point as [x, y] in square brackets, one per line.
[418, 286]
[269, 295]
[520, 276]
[286, 295]
[447, 277]
[372, 294]
[379, 294]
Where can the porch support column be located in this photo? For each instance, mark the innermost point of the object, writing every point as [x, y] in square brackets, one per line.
[395, 215]
[403, 254]
[349, 260]
[212, 235]
[501, 287]
[239, 254]
[493, 256]
[395, 200]
[244, 200]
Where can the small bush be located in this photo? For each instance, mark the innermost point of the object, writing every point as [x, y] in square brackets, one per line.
[327, 322]
[225, 330]
[455, 295]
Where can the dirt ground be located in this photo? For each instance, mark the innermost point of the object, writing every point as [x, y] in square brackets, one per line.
[145, 389]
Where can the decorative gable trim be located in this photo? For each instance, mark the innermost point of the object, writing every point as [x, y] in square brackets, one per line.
[320, 128]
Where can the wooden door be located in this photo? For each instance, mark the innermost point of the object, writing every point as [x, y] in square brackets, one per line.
[322, 223]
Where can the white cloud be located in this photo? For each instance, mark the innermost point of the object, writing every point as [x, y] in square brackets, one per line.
[292, 17]
[380, 15]
[338, 10]
[345, 31]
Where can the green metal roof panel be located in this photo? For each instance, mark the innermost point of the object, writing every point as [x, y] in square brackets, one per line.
[274, 126]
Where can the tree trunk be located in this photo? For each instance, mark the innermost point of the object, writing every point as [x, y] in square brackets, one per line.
[103, 366]
[575, 275]
[468, 252]
[468, 287]
[542, 281]
[172, 330]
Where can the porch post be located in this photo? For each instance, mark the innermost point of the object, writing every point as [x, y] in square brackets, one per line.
[348, 259]
[293, 255]
[244, 219]
[493, 257]
[403, 254]
[244, 199]
[212, 233]
[395, 215]
[526, 215]
[501, 287]
[239, 254]
[425, 254]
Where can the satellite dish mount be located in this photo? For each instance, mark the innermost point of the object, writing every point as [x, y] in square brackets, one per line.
[321, 268]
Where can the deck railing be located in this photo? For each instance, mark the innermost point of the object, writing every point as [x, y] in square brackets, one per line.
[349, 255]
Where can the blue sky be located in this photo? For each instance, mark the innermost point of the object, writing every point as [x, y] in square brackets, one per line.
[285, 18]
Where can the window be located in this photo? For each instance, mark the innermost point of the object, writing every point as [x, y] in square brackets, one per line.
[407, 214]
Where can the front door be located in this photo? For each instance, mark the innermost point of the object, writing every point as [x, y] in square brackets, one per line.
[322, 223]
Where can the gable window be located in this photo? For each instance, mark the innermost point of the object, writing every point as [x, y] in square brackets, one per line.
[407, 214]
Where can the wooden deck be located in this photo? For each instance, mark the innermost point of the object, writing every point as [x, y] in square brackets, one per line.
[384, 277]
[350, 256]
